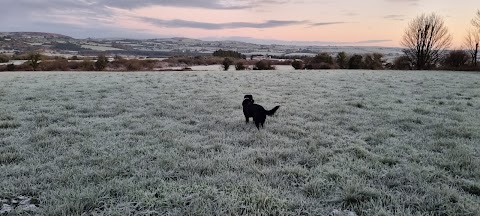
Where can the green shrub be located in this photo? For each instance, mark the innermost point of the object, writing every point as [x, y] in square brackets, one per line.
[401, 63]
[342, 60]
[323, 58]
[34, 59]
[228, 54]
[321, 61]
[263, 65]
[101, 63]
[240, 66]
[298, 65]
[373, 61]
[4, 58]
[55, 65]
[226, 63]
[10, 67]
[355, 62]
[87, 65]
[456, 59]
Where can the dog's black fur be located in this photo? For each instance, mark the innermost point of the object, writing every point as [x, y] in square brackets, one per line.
[259, 114]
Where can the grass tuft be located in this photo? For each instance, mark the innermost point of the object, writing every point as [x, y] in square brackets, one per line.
[356, 193]
[389, 161]
[9, 125]
[7, 158]
[318, 188]
[422, 110]
[471, 187]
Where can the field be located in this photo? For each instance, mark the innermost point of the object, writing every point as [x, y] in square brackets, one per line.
[176, 143]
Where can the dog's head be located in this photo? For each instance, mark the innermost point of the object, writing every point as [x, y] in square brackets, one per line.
[247, 99]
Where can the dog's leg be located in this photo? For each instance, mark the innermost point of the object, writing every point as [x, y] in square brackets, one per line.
[246, 119]
[257, 124]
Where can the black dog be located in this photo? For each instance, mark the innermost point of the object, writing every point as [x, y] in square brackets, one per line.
[256, 111]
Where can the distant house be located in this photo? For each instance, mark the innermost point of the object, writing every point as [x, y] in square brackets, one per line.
[260, 57]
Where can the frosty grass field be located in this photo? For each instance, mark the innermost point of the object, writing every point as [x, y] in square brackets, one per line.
[175, 143]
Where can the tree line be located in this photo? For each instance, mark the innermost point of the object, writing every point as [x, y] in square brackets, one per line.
[37, 62]
[427, 40]
[228, 54]
[341, 61]
[426, 43]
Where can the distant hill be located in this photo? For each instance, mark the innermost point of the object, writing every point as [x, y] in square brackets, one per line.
[21, 42]
[35, 34]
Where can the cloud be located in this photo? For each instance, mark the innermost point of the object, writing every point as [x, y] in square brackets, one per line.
[100, 16]
[130, 4]
[326, 23]
[178, 23]
[395, 17]
[208, 4]
[88, 9]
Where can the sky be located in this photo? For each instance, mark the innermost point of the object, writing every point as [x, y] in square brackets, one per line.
[321, 22]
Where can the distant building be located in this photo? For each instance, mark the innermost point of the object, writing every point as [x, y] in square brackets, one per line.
[260, 57]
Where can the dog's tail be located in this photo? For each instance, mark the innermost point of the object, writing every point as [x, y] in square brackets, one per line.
[271, 112]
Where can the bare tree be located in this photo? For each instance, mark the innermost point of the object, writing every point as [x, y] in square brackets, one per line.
[471, 43]
[473, 39]
[425, 40]
[476, 20]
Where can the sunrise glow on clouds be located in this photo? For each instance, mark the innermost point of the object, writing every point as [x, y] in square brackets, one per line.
[368, 22]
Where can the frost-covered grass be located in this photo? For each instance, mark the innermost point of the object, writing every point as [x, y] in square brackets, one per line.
[376, 143]
[99, 47]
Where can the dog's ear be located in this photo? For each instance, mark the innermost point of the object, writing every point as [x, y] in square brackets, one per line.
[248, 97]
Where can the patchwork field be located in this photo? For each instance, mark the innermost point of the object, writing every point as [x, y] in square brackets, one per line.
[357, 142]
